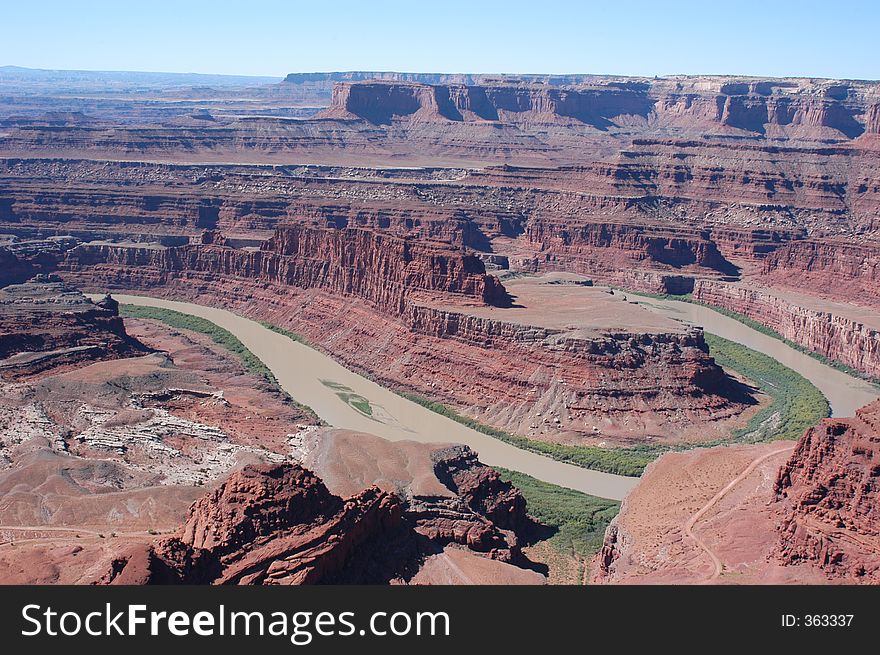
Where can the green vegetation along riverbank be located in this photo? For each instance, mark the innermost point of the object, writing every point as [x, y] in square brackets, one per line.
[795, 403]
[770, 332]
[621, 461]
[763, 329]
[218, 335]
[577, 519]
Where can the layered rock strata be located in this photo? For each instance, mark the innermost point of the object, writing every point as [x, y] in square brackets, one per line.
[834, 269]
[845, 334]
[377, 267]
[45, 323]
[766, 107]
[827, 492]
[363, 288]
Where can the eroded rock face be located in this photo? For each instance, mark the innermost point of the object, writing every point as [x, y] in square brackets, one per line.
[278, 524]
[832, 329]
[341, 287]
[266, 524]
[45, 323]
[829, 498]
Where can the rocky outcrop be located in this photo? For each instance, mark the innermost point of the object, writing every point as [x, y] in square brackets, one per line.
[449, 497]
[45, 323]
[279, 524]
[828, 498]
[481, 487]
[834, 332]
[482, 512]
[267, 524]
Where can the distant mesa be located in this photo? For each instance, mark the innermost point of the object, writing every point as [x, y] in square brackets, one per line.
[817, 109]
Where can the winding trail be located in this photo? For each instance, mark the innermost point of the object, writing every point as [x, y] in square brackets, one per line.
[689, 526]
[75, 534]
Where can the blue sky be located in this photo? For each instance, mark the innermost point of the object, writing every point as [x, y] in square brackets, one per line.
[772, 37]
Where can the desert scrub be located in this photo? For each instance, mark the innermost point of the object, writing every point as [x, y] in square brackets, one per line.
[797, 404]
[223, 338]
[621, 461]
[577, 519]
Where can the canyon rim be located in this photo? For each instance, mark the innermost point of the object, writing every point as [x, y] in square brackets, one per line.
[477, 259]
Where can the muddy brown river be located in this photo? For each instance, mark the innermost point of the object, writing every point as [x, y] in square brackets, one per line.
[844, 392]
[345, 399]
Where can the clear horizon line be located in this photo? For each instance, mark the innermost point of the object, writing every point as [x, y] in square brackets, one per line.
[281, 76]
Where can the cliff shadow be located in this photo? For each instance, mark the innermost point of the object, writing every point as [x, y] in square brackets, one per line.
[739, 392]
[504, 300]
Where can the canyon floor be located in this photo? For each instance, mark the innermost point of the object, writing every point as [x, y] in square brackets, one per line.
[388, 283]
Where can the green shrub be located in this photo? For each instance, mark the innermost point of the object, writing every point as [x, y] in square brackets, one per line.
[223, 338]
[770, 332]
[622, 461]
[579, 520]
[293, 336]
[797, 404]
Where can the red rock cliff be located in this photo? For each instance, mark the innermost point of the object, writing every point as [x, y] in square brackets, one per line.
[834, 269]
[829, 496]
[836, 336]
[374, 266]
[382, 102]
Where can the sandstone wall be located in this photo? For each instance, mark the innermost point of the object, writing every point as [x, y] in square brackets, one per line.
[380, 268]
[836, 337]
[827, 493]
[831, 268]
